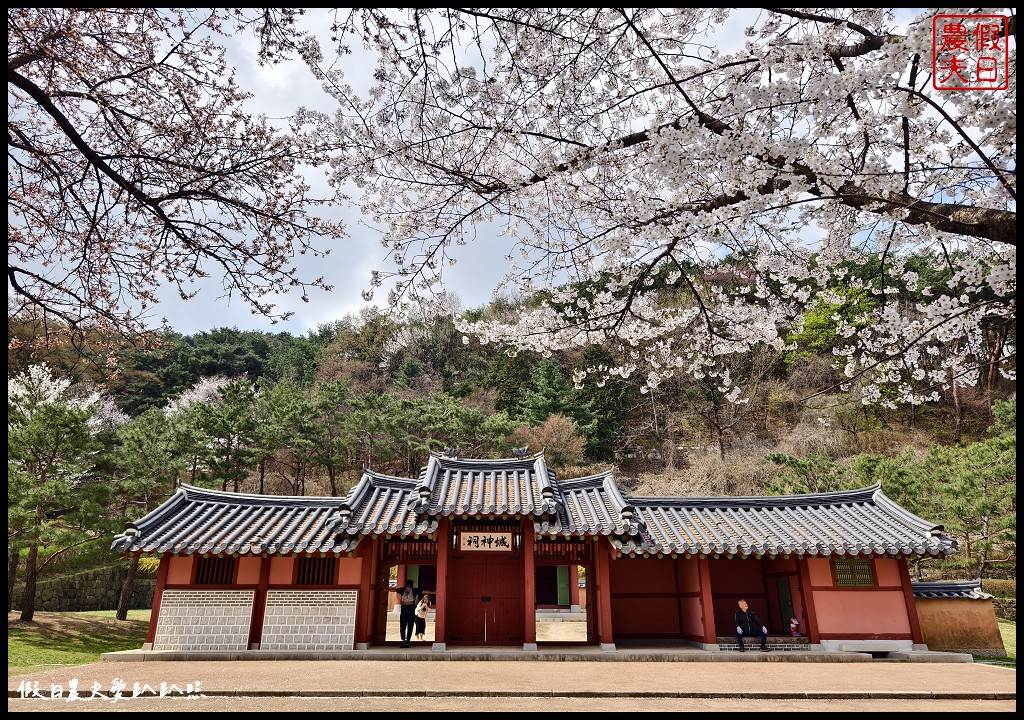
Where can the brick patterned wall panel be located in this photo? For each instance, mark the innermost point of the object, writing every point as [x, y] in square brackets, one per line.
[309, 620]
[204, 620]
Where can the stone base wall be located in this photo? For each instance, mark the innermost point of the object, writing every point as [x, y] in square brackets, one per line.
[309, 620]
[91, 590]
[204, 620]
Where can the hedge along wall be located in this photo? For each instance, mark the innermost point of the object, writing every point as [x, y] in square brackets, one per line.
[91, 590]
[1006, 608]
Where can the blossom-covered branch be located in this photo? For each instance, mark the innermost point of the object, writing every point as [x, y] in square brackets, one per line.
[628, 157]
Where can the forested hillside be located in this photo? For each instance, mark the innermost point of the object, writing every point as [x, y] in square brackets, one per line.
[284, 414]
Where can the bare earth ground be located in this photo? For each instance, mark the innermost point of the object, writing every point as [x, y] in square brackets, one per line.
[457, 686]
[529, 705]
[524, 685]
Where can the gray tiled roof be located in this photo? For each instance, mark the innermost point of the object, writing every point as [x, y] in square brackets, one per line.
[195, 520]
[382, 505]
[965, 589]
[519, 486]
[588, 506]
[847, 522]
[853, 522]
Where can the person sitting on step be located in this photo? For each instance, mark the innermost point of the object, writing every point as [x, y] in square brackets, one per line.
[747, 623]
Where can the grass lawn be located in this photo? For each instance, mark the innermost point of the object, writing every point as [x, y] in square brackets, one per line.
[55, 639]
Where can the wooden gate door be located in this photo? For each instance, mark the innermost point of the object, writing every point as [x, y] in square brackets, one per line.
[485, 599]
[382, 591]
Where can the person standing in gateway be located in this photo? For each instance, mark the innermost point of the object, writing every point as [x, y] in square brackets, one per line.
[422, 610]
[407, 598]
[747, 623]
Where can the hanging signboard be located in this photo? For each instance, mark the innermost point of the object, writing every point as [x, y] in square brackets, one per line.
[494, 541]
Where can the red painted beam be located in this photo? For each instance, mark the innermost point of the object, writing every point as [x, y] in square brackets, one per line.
[259, 604]
[161, 583]
[604, 594]
[908, 596]
[806, 592]
[529, 585]
[366, 598]
[444, 529]
[707, 607]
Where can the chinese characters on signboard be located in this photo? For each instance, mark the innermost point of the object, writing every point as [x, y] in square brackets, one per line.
[970, 52]
[500, 541]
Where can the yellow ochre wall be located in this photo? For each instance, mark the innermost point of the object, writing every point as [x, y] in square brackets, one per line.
[960, 625]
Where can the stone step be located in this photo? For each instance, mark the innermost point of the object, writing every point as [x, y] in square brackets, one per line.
[561, 617]
[775, 642]
[542, 615]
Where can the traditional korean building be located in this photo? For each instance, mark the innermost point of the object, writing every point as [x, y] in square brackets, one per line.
[496, 539]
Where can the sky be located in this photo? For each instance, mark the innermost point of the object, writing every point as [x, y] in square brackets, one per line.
[279, 91]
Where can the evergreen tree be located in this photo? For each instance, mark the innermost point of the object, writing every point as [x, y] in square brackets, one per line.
[53, 504]
[145, 466]
[972, 490]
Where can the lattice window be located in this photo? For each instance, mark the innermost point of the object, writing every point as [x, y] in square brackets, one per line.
[853, 572]
[405, 552]
[568, 551]
[215, 570]
[315, 570]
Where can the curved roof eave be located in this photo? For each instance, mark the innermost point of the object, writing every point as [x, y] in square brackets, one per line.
[855, 521]
[835, 497]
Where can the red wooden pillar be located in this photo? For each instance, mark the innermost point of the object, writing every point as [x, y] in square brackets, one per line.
[259, 604]
[529, 587]
[161, 581]
[590, 591]
[367, 597]
[707, 606]
[400, 578]
[574, 587]
[605, 638]
[908, 596]
[444, 544]
[808, 597]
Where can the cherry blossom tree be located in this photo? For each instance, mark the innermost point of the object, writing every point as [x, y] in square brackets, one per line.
[625, 155]
[133, 164]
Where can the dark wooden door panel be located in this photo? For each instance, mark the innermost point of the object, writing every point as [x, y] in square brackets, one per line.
[485, 596]
[465, 614]
[505, 584]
